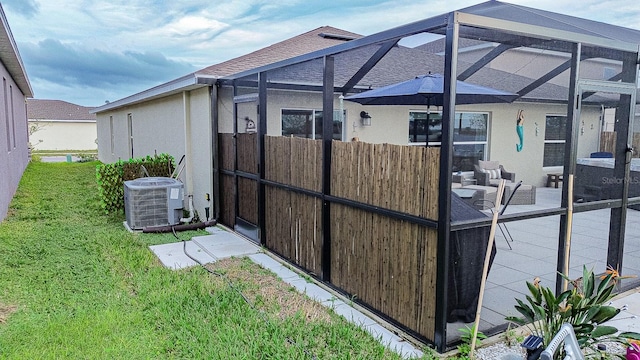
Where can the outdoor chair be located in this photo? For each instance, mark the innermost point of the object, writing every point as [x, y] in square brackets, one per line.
[489, 173]
[502, 226]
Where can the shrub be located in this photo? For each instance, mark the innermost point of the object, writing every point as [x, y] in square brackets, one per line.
[584, 307]
[111, 177]
[86, 157]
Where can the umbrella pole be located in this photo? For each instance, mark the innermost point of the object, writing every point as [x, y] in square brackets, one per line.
[426, 128]
[485, 269]
[567, 240]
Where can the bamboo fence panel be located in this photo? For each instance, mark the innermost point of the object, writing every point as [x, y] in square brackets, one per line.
[226, 151]
[247, 147]
[294, 161]
[227, 201]
[248, 199]
[277, 159]
[608, 142]
[306, 163]
[386, 263]
[395, 177]
[293, 226]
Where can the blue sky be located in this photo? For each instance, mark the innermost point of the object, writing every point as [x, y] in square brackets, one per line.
[89, 51]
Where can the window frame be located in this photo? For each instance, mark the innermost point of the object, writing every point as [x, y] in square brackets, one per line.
[314, 115]
[553, 141]
[485, 142]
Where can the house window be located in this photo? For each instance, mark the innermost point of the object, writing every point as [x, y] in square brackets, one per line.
[113, 136]
[469, 135]
[554, 139]
[13, 117]
[130, 134]
[6, 114]
[308, 124]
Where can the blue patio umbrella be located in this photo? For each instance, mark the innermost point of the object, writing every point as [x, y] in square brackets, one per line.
[428, 90]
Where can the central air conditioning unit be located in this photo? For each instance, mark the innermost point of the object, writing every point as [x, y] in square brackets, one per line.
[153, 201]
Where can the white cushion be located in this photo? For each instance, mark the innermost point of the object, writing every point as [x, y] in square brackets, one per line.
[493, 173]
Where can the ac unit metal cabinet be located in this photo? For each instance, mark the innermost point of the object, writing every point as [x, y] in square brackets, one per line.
[153, 201]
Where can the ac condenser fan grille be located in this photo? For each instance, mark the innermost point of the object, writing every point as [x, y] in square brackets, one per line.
[152, 202]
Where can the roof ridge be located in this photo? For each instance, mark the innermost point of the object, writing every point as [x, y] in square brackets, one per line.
[270, 54]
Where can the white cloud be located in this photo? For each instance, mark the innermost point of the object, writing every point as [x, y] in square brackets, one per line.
[93, 35]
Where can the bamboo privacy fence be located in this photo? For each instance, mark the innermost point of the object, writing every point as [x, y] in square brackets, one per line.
[293, 221]
[227, 186]
[608, 142]
[388, 264]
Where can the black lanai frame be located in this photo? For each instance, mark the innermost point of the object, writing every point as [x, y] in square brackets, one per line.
[510, 26]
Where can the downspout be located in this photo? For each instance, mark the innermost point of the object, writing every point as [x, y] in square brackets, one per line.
[186, 106]
[213, 89]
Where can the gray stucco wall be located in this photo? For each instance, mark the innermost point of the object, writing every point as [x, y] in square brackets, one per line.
[14, 150]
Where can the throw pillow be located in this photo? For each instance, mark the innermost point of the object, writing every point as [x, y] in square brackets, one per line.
[493, 173]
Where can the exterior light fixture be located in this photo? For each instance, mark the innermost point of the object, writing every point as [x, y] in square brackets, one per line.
[365, 118]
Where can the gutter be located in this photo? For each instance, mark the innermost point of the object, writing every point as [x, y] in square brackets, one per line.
[174, 86]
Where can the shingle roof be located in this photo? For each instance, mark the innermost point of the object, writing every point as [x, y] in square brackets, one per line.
[57, 110]
[320, 38]
[403, 63]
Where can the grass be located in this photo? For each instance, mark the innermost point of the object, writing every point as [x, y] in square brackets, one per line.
[74, 284]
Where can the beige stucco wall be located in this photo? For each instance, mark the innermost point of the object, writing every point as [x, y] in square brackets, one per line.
[157, 126]
[165, 125]
[383, 131]
[200, 159]
[64, 135]
[390, 124]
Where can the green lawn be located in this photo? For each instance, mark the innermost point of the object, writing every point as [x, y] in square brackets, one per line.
[75, 285]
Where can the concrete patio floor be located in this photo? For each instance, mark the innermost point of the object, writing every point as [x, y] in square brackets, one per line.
[534, 254]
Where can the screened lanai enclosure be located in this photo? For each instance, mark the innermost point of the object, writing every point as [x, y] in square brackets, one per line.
[362, 197]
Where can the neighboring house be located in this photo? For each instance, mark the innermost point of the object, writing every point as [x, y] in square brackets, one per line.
[60, 125]
[14, 90]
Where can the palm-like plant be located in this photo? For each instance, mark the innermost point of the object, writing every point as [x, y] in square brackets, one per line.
[585, 306]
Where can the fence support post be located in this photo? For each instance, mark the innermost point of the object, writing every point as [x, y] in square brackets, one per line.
[327, 138]
[262, 132]
[444, 193]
